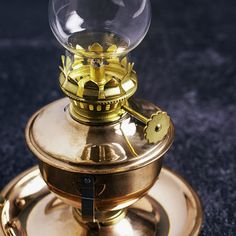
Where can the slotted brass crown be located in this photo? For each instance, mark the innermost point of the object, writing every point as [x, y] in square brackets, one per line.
[98, 83]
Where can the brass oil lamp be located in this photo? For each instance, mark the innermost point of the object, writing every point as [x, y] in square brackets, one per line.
[100, 150]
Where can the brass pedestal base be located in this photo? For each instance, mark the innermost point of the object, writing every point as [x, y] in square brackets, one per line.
[28, 208]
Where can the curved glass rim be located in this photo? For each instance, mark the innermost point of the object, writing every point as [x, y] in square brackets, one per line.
[120, 52]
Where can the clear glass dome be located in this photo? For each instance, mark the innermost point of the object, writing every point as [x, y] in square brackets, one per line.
[79, 24]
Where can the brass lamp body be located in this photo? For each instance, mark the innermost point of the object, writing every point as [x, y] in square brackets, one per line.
[99, 153]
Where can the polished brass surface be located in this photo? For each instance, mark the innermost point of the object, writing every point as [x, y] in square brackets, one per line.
[58, 140]
[157, 126]
[112, 191]
[105, 218]
[30, 209]
[116, 157]
[100, 153]
[98, 86]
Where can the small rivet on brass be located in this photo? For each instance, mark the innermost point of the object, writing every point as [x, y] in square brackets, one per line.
[11, 224]
[99, 108]
[158, 127]
[91, 107]
[108, 107]
[20, 202]
[87, 180]
[81, 105]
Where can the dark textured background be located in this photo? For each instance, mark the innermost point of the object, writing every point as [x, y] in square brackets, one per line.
[186, 64]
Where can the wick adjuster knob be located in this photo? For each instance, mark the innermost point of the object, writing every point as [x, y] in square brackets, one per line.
[157, 125]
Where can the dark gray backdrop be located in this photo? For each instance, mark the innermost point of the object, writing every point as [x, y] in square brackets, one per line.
[186, 65]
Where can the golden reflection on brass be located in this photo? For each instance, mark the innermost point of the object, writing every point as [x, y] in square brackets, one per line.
[129, 144]
[156, 127]
[116, 156]
[100, 155]
[45, 213]
[54, 205]
[104, 83]
[107, 84]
